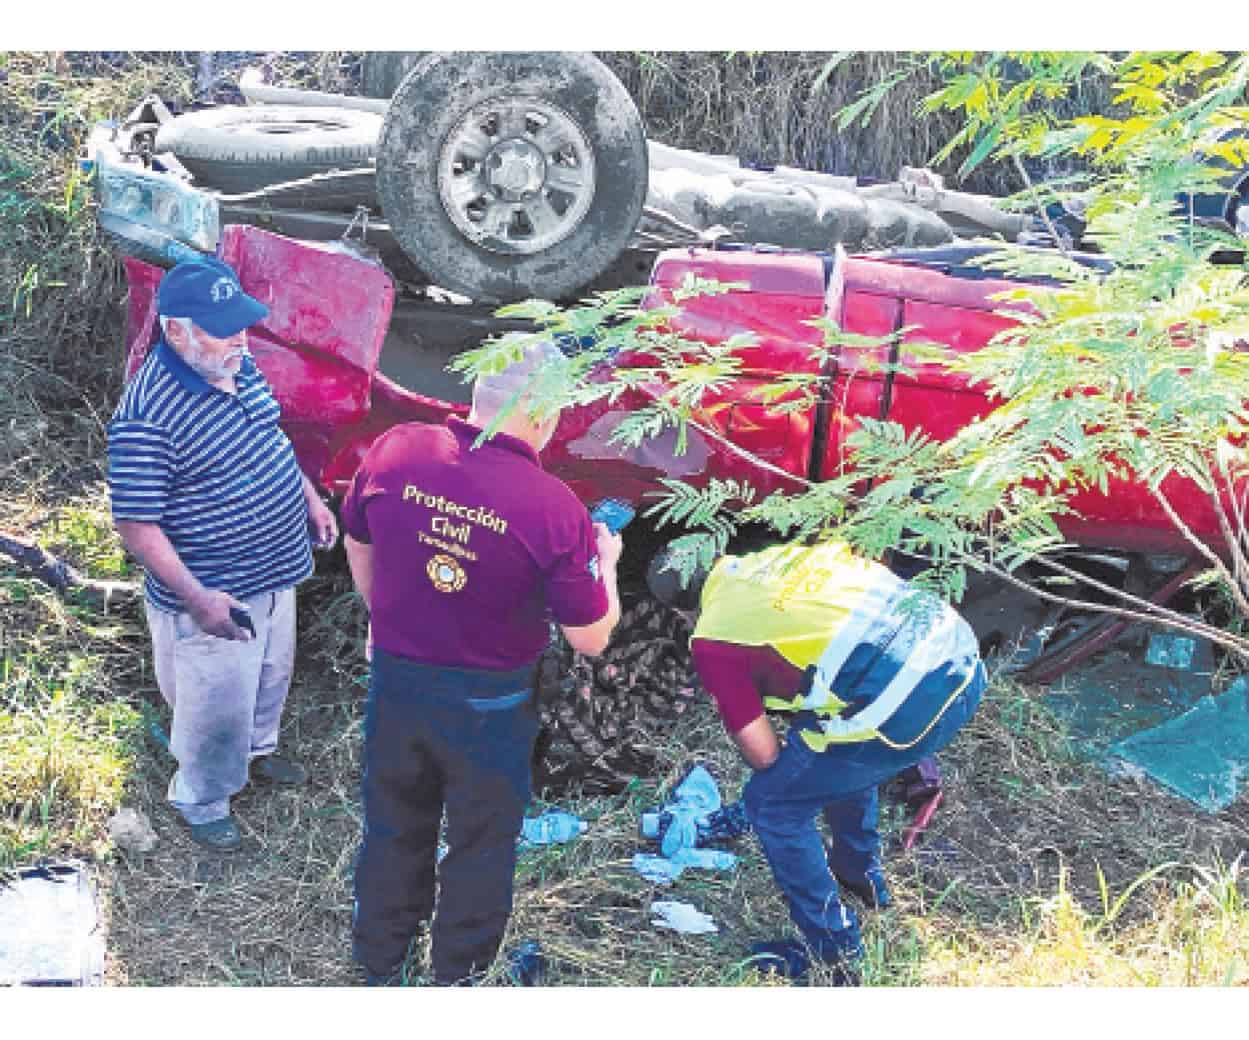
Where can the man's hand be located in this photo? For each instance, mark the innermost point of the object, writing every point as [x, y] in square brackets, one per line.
[322, 523]
[210, 609]
[609, 547]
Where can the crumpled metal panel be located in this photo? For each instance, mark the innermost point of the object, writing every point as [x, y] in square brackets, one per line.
[328, 313]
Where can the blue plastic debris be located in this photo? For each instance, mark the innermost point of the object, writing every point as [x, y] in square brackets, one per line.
[677, 824]
[681, 917]
[526, 965]
[1202, 755]
[1147, 679]
[664, 870]
[553, 827]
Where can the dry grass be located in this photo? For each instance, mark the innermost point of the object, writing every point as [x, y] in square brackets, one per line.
[1004, 890]
[765, 108]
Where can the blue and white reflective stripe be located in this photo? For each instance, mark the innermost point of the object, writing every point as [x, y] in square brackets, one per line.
[874, 617]
[940, 644]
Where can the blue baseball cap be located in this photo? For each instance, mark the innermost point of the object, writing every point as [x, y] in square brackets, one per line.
[208, 292]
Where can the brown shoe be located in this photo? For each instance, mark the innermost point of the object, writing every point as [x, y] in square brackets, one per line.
[279, 770]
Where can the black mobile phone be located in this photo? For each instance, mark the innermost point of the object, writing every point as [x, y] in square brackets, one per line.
[242, 617]
[614, 513]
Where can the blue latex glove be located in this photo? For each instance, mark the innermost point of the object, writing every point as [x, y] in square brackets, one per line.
[656, 869]
[705, 859]
[663, 871]
[693, 799]
[681, 917]
[682, 832]
[698, 791]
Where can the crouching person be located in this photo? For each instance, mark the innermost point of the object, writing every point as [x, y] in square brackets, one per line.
[873, 688]
[207, 495]
[463, 557]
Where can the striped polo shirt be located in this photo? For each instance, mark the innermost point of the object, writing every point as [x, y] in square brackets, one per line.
[217, 474]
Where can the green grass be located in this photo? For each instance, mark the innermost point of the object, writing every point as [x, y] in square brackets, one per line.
[1039, 869]
[66, 759]
[84, 534]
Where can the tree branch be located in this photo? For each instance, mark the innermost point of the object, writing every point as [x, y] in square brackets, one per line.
[1168, 618]
[62, 578]
[1233, 581]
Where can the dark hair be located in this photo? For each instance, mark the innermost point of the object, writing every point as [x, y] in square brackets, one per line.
[663, 578]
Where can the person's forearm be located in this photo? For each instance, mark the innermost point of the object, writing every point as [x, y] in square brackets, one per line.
[757, 743]
[310, 489]
[152, 548]
[360, 562]
[612, 585]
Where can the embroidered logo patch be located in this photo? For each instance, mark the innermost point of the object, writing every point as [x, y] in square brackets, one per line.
[446, 573]
[222, 289]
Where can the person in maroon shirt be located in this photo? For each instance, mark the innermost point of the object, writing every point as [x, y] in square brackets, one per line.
[463, 557]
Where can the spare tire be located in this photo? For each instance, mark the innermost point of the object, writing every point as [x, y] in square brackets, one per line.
[512, 175]
[237, 149]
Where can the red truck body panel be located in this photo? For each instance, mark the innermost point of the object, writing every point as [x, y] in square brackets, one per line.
[320, 345]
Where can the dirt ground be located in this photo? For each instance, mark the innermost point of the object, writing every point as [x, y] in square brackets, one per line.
[1022, 816]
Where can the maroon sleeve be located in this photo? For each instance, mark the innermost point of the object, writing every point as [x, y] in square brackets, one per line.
[727, 672]
[352, 513]
[574, 583]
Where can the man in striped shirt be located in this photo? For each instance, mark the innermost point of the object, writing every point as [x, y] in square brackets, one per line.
[878, 674]
[207, 495]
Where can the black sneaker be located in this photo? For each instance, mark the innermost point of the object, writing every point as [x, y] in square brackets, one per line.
[790, 959]
[279, 770]
[870, 890]
[784, 957]
[219, 835]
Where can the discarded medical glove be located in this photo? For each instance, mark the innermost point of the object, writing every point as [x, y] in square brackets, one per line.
[681, 917]
[553, 827]
[663, 870]
[656, 869]
[677, 823]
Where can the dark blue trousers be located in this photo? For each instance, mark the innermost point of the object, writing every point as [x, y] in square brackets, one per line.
[440, 740]
[783, 801]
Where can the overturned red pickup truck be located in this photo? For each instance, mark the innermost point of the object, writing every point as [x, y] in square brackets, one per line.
[347, 361]
[345, 366]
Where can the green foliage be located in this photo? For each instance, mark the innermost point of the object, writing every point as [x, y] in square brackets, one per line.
[88, 536]
[1128, 375]
[1134, 374]
[614, 347]
[66, 757]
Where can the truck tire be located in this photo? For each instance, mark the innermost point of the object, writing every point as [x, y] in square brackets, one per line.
[512, 175]
[237, 149]
[383, 71]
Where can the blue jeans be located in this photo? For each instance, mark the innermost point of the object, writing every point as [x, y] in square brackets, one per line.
[783, 801]
[440, 740]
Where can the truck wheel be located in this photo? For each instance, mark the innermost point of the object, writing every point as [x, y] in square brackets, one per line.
[237, 149]
[511, 175]
[383, 71]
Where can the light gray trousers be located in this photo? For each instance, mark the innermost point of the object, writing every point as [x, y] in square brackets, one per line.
[226, 697]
